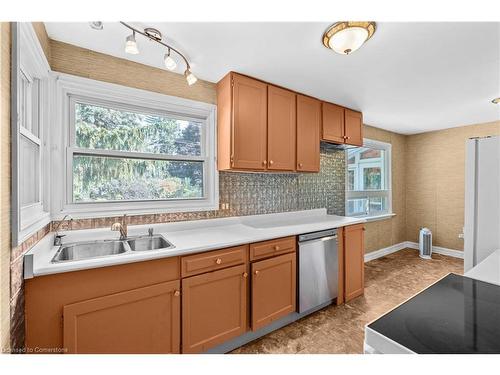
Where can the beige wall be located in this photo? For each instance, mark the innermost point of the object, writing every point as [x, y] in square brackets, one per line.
[43, 38]
[384, 233]
[435, 182]
[67, 58]
[4, 185]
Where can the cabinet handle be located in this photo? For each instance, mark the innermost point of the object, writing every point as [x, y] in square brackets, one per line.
[271, 162]
[177, 293]
[245, 274]
[347, 137]
[256, 272]
[264, 162]
[300, 165]
[276, 247]
[218, 261]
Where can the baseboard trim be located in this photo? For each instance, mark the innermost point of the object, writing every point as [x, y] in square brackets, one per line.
[385, 251]
[411, 245]
[439, 250]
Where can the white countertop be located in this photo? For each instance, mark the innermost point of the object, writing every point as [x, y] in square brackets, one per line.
[488, 270]
[188, 237]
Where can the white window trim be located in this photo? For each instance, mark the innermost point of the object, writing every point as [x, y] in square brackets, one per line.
[31, 60]
[371, 143]
[68, 88]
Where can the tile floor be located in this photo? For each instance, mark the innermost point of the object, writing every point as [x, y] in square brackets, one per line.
[388, 282]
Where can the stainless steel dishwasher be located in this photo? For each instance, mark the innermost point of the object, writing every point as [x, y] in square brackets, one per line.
[318, 269]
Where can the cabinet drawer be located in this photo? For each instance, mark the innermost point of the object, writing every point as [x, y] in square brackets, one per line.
[213, 260]
[266, 249]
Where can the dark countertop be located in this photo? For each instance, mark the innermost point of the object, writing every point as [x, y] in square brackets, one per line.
[455, 315]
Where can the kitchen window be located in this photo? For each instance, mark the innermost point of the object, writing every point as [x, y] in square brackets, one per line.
[368, 175]
[133, 155]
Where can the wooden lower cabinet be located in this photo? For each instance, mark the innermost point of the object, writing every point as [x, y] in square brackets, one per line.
[143, 320]
[273, 289]
[354, 261]
[214, 308]
[340, 252]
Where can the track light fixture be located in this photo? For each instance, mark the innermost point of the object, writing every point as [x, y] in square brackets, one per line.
[131, 44]
[190, 77]
[170, 63]
[155, 36]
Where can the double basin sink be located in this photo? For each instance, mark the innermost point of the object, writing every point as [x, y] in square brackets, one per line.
[94, 249]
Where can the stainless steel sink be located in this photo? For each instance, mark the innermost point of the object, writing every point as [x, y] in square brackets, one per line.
[95, 249]
[147, 243]
[87, 250]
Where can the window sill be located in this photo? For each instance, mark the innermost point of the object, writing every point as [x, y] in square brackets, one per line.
[97, 210]
[379, 217]
[34, 225]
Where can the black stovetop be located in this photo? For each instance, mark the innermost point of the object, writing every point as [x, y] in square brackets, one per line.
[455, 315]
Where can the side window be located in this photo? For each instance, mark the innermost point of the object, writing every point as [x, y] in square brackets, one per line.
[368, 190]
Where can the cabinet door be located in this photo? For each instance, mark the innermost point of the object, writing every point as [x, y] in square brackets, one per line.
[143, 320]
[249, 125]
[354, 262]
[333, 123]
[353, 127]
[281, 129]
[213, 308]
[340, 238]
[308, 127]
[273, 289]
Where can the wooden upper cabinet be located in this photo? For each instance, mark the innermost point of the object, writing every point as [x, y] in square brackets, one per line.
[333, 123]
[242, 123]
[214, 308]
[353, 127]
[273, 289]
[143, 320]
[354, 262]
[308, 137]
[281, 124]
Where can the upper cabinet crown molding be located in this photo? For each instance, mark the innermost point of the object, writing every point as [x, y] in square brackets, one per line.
[263, 127]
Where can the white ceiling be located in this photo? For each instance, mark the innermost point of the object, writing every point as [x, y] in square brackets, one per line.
[409, 78]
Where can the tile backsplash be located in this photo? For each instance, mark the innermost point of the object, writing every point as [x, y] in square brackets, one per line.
[263, 193]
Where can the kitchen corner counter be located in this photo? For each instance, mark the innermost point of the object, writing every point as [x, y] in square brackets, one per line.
[188, 237]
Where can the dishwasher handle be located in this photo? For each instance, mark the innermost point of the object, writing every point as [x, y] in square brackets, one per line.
[322, 239]
[318, 235]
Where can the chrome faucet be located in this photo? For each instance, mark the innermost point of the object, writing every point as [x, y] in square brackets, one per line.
[58, 237]
[122, 227]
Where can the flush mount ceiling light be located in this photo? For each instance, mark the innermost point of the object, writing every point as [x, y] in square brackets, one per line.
[496, 100]
[347, 36]
[96, 25]
[155, 36]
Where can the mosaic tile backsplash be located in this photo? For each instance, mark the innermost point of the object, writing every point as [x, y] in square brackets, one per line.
[263, 193]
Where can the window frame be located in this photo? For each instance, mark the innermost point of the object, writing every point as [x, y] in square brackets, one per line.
[28, 60]
[72, 90]
[379, 145]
